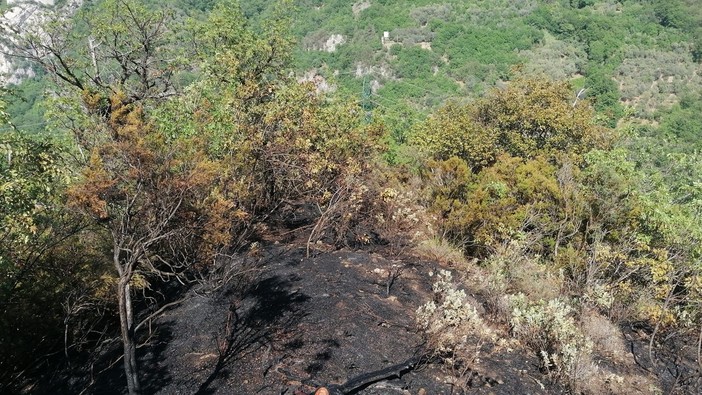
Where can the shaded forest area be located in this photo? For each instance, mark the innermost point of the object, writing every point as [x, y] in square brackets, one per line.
[541, 158]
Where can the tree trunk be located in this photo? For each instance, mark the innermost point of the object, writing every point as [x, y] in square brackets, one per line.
[126, 320]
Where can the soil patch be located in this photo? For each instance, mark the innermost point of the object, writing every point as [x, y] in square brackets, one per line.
[319, 321]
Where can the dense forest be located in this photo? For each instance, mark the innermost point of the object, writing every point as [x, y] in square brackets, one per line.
[544, 154]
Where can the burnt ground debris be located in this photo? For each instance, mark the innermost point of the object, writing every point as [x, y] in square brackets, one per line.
[326, 320]
[309, 322]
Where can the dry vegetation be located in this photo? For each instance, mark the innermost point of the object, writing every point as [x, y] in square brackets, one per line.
[557, 235]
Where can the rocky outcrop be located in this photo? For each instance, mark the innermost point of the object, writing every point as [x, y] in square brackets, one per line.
[24, 16]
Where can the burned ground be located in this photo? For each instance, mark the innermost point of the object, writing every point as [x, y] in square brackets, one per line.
[310, 322]
[295, 323]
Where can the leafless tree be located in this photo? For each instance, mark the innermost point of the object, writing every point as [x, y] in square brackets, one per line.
[122, 46]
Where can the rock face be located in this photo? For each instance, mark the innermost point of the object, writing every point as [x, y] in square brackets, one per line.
[323, 41]
[334, 41]
[320, 83]
[44, 2]
[23, 15]
[360, 6]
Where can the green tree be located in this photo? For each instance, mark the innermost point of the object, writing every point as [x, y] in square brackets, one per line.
[4, 116]
[527, 119]
[697, 45]
[539, 117]
[36, 232]
[281, 140]
[31, 172]
[605, 95]
[235, 54]
[671, 13]
[485, 210]
[452, 131]
[414, 62]
[641, 243]
[513, 141]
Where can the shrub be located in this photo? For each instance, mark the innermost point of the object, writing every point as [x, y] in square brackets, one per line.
[369, 206]
[550, 329]
[484, 210]
[412, 35]
[558, 60]
[424, 15]
[442, 251]
[537, 117]
[453, 132]
[453, 328]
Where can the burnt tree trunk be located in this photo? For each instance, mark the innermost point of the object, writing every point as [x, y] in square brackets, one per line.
[127, 328]
[126, 320]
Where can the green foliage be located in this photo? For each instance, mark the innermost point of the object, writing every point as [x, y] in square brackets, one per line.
[605, 95]
[582, 3]
[527, 165]
[235, 53]
[557, 59]
[26, 105]
[635, 221]
[527, 119]
[4, 115]
[482, 46]
[671, 14]
[137, 183]
[37, 270]
[681, 125]
[201, 5]
[472, 44]
[418, 94]
[537, 117]
[493, 170]
[118, 45]
[611, 34]
[453, 131]
[697, 46]
[31, 175]
[485, 210]
[452, 326]
[656, 79]
[550, 328]
[156, 202]
[280, 139]
[414, 62]
[294, 146]
[429, 13]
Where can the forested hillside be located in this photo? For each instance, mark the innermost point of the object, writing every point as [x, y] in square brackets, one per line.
[641, 54]
[538, 161]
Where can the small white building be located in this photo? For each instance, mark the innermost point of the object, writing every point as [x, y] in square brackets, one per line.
[385, 38]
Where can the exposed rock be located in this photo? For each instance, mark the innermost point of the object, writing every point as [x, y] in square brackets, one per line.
[44, 2]
[25, 15]
[323, 41]
[360, 6]
[321, 83]
[382, 71]
[334, 41]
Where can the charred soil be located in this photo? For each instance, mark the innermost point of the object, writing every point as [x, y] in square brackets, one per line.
[338, 319]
